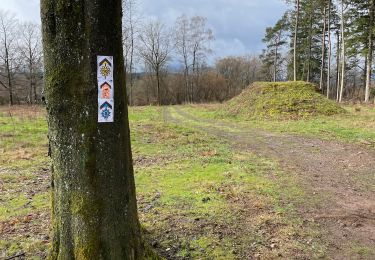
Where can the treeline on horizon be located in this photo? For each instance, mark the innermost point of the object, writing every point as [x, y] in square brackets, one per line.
[326, 42]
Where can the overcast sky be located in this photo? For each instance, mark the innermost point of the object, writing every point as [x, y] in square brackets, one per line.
[238, 25]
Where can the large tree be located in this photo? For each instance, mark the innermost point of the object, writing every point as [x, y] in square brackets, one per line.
[94, 211]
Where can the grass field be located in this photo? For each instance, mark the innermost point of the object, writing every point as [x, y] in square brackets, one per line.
[198, 197]
[356, 126]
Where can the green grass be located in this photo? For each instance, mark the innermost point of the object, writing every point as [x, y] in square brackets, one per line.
[363, 251]
[357, 125]
[198, 198]
[24, 195]
[200, 183]
[339, 128]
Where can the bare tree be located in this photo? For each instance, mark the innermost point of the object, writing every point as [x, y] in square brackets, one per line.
[252, 69]
[30, 48]
[201, 38]
[231, 68]
[192, 39]
[8, 52]
[238, 72]
[130, 31]
[182, 37]
[155, 49]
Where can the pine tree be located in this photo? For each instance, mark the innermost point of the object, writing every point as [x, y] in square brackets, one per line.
[325, 34]
[275, 40]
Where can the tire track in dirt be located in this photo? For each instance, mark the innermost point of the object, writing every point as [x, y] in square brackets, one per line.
[340, 175]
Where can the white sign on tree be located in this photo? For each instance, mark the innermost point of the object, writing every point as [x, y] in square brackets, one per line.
[105, 89]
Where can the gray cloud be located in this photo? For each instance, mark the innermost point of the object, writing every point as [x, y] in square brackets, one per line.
[238, 25]
[26, 10]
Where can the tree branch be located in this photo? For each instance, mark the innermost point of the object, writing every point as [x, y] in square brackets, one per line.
[2, 84]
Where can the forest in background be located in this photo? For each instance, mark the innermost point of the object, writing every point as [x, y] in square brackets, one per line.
[326, 42]
[329, 43]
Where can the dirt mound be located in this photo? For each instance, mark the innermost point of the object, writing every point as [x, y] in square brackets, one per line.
[281, 100]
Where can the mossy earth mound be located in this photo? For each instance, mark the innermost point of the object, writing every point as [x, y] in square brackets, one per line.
[289, 100]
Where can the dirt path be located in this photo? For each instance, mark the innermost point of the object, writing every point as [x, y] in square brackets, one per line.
[340, 176]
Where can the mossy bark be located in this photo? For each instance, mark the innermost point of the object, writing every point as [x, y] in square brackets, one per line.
[94, 212]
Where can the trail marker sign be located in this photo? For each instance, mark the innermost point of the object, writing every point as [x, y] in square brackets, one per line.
[105, 89]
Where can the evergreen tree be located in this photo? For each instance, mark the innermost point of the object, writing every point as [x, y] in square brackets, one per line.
[272, 57]
[325, 34]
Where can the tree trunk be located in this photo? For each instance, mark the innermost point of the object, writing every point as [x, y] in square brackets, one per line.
[295, 42]
[342, 52]
[9, 75]
[193, 80]
[158, 86]
[186, 77]
[94, 211]
[370, 51]
[338, 66]
[31, 92]
[10, 87]
[31, 87]
[34, 84]
[354, 85]
[323, 49]
[275, 58]
[329, 49]
[148, 89]
[186, 69]
[310, 49]
[131, 54]
[131, 72]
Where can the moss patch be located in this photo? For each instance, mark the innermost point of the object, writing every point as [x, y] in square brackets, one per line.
[281, 100]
